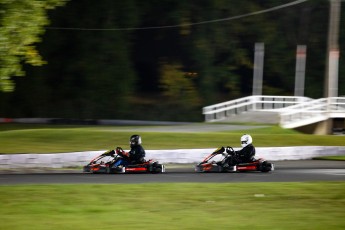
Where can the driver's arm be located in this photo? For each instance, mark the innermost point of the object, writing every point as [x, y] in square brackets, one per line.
[109, 153]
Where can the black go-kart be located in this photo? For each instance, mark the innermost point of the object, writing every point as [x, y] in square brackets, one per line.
[210, 164]
[105, 163]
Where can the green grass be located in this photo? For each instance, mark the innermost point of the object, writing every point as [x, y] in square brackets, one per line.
[331, 158]
[164, 206]
[174, 206]
[54, 138]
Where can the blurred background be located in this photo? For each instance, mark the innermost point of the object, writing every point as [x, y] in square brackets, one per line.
[154, 60]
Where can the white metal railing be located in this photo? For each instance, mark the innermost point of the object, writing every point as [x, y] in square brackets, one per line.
[227, 109]
[312, 112]
[294, 111]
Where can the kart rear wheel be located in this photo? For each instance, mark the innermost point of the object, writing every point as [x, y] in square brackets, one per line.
[157, 168]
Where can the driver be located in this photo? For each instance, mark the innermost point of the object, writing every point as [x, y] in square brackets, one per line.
[245, 155]
[137, 153]
[135, 156]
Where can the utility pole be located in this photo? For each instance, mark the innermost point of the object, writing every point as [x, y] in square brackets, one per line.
[258, 68]
[301, 54]
[331, 80]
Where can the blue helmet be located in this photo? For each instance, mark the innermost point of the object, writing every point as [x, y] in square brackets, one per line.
[135, 140]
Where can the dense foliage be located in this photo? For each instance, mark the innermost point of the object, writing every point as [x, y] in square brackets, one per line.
[100, 66]
[21, 24]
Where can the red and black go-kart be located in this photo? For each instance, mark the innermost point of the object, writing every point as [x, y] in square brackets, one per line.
[105, 163]
[217, 162]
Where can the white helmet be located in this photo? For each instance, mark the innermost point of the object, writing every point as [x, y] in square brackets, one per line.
[246, 139]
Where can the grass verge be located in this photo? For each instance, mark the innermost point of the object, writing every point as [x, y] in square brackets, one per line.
[53, 138]
[174, 206]
[331, 158]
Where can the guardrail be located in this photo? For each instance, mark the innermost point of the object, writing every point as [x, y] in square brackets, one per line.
[77, 159]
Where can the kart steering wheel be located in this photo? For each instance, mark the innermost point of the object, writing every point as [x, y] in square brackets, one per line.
[230, 150]
[120, 151]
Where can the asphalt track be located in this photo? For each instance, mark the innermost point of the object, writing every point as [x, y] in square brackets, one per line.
[285, 171]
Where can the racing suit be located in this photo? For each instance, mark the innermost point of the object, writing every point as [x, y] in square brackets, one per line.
[246, 154]
[136, 154]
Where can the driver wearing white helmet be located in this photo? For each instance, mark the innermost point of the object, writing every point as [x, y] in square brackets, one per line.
[247, 153]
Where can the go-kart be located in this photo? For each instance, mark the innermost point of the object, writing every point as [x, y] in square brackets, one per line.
[105, 163]
[210, 164]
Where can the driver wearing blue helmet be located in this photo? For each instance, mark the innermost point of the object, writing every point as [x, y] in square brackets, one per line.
[137, 153]
[135, 156]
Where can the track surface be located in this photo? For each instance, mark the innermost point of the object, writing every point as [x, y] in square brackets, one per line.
[286, 171]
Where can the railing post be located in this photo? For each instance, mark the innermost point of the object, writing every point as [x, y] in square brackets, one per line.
[254, 99]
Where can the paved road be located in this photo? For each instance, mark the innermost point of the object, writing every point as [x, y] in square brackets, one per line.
[286, 171]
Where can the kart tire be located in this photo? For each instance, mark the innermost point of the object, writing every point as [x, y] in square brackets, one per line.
[266, 167]
[157, 168]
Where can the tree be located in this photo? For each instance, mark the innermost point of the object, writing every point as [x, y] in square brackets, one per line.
[101, 67]
[178, 86]
[89, 73]
[21, 24]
